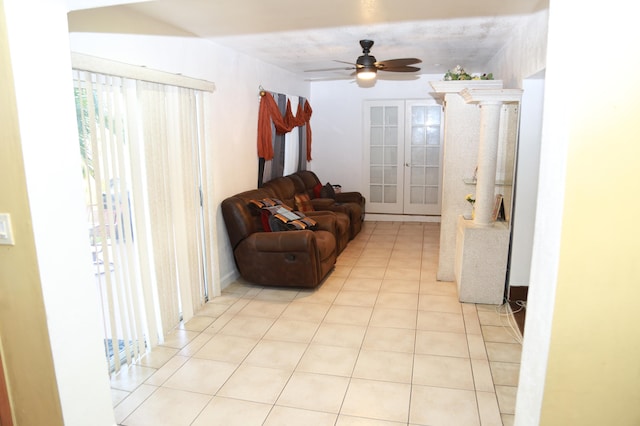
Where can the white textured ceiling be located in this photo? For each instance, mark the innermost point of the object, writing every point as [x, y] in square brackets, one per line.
[303, 35]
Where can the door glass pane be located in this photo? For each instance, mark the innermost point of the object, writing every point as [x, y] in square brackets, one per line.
[376, 155]
[432, 175]
[418, 115]
[376, 136]
[391, 156]
[391, 135]
[417, 195]
[375, 192]
[431, 195]
[376, 116]
[434, 114]
[375, 174]
[418, 136]
[417, 176]
[390, 175]
[433, 135]
[391, 116]
[418, 156]
[390, 194]
[433, 156]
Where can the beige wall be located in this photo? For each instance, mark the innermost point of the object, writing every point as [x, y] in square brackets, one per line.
[24, 339]
[593, 371]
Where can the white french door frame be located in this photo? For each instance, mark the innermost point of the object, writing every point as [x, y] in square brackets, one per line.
[403, 154]
[423, 153]
[383, 147]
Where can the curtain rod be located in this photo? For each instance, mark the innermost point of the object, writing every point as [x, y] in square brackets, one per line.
[106, 66]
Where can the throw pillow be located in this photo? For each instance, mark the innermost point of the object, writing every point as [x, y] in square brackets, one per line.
[316, 190]
[303, 203]
[327, 191]
[265, 217]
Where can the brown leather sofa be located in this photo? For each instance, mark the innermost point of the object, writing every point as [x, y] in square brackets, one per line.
[351, 203]
[300, 258]
[284, 189]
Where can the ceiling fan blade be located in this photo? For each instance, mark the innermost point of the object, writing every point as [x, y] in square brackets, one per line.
[332, 69]
[400, 69]
[397, 62]
[345, 62]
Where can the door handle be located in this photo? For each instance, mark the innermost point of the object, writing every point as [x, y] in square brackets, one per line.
[407, 165]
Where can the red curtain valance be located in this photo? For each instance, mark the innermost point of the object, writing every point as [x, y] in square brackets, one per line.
[269, 112]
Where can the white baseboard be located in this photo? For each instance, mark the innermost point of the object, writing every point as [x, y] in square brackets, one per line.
[382, 217]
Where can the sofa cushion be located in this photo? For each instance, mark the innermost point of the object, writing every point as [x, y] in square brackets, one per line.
[303, 203]
[327, 191]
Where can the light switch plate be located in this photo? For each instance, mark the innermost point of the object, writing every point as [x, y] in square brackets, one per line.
[6, 234]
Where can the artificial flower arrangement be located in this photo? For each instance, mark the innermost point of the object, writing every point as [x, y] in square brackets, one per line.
[470, 199]
[459, 73]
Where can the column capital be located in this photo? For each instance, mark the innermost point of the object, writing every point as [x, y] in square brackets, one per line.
[456, 86]
[491, 96]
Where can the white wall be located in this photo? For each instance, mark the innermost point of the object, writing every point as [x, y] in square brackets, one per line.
[231, 150]
[526, 190]
[525, 54]
[41, 67]
[337, 124]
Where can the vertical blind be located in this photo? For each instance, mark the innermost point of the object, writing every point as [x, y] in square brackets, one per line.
[141, 154]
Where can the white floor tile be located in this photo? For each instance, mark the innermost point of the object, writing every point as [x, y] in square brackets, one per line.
[257, 384]
[436, 406]
[334, 360]
[201, 375]
[377, 400]
[276, 354]
[225, 411]
[168, 407]
[317, 392]
[384, 366]
[286, 416]
[380, 342]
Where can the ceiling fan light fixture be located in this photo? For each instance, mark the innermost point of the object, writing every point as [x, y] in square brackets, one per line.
[366, 73]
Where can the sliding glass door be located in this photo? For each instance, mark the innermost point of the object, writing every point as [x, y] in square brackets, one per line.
[140, 147]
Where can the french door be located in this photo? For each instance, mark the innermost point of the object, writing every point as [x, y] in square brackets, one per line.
[403, 156]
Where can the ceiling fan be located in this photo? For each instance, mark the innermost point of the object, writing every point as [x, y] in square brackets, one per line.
[366, 66]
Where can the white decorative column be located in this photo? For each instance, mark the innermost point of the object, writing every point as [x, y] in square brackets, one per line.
[490, 104]
[482, 245]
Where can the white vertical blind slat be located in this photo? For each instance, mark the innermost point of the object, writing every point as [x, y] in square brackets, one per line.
[105, 216]
[148, 290]
[209, 218]
[157, 165]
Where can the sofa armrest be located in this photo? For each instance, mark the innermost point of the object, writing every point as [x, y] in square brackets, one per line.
[326, 220]
[281, 242]
[322, 203]
[349, 197]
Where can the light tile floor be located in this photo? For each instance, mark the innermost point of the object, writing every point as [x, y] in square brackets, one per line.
[380, 342]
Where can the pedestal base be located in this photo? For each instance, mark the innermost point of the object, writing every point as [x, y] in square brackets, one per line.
[481, 261]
